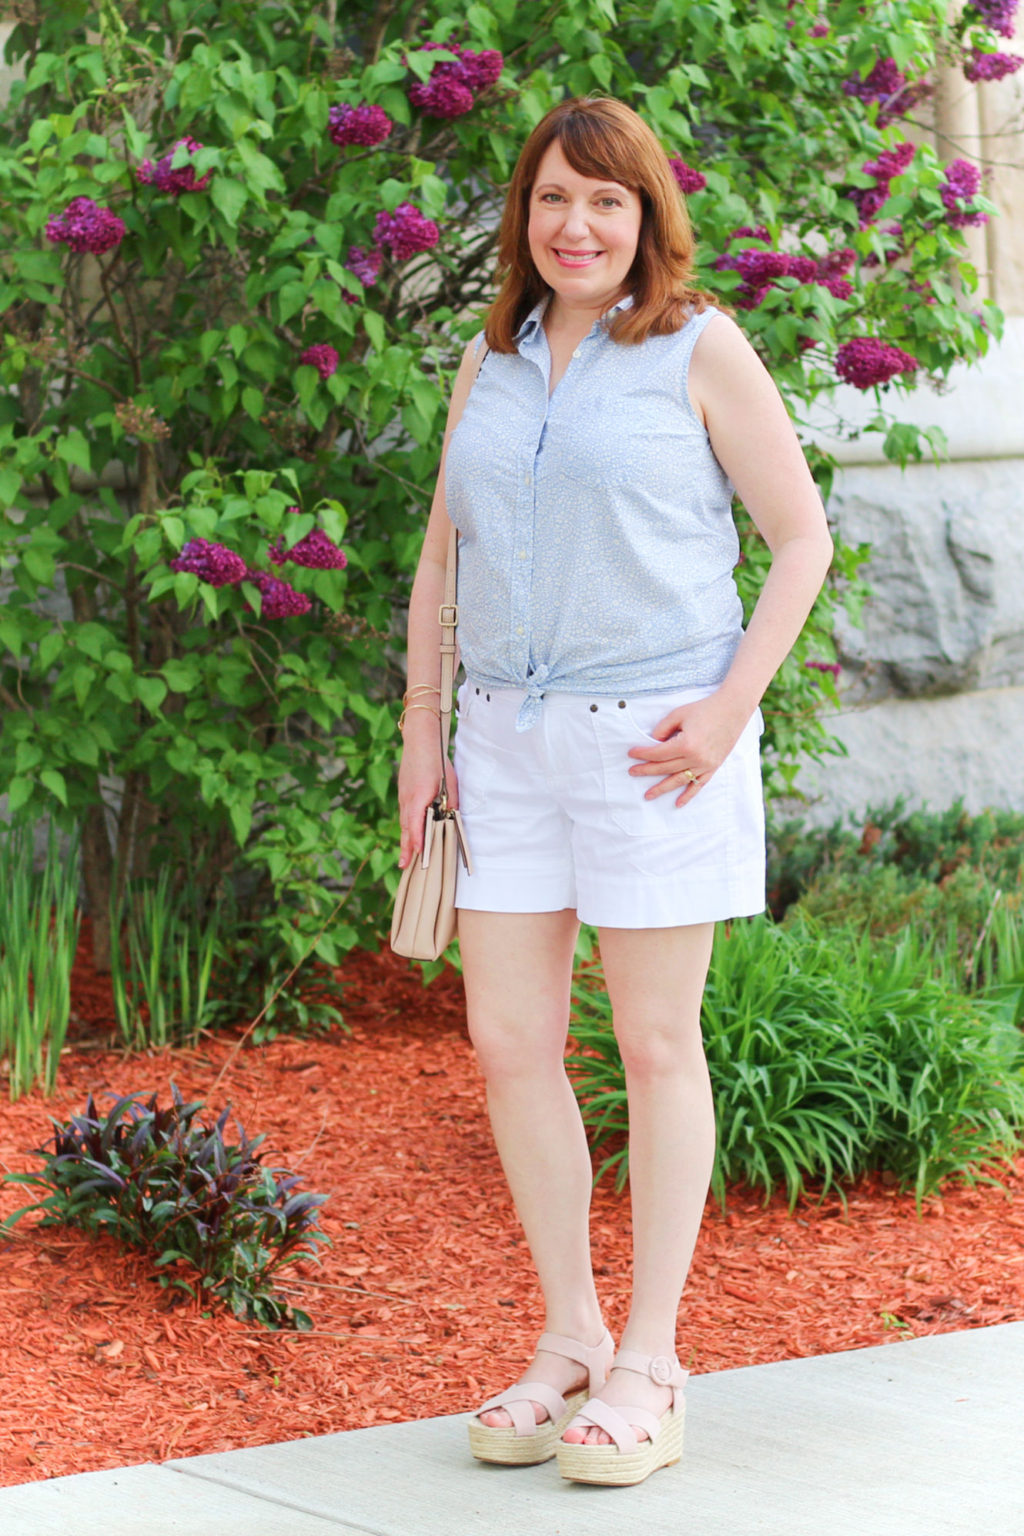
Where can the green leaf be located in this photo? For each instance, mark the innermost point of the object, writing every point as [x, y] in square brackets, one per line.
[152, 691]
[10, 485]
[73, 448]
[252, 402]
[54, 782]
[229, 197]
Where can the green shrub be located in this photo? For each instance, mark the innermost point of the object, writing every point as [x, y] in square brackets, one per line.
[216, 1222]
[829, 1056]
[943, 874]
[39, 918]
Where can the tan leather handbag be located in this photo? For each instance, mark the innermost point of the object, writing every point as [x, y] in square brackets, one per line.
[423, 921]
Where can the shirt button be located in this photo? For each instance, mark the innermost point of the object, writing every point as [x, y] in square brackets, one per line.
[577, 352]
[519, 629]
[527, 479]
[522, 554]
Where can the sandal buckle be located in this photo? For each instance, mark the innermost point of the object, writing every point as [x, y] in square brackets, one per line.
[662, 1370]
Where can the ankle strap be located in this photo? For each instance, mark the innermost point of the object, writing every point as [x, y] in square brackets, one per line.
[664, 1370]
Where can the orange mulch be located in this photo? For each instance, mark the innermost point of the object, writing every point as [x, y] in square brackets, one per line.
[426, 1301]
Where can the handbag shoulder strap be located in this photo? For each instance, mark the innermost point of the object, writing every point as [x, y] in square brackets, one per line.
[448, 614]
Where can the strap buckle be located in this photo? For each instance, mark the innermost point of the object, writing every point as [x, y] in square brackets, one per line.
[448, 615]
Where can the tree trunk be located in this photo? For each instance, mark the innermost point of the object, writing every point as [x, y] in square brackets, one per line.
[97, 873]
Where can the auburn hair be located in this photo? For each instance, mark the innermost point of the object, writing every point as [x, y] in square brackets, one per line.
[604, 139]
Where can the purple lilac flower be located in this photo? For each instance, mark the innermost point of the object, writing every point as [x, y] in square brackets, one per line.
[887, 85]
[962, 182]
[316, 551]
[85, 226]
[803, 268]
[212, 563]
[746, 233]
[322, 357]
[997, 14]
[820, 29]
[825, 666]
[480, 70]
[405, 232]
[280, 599]
[689, 179]
[869, 201]
[363, 125]
[865, 362]
[441, 96]
[365, 264]
[164, 178]
[838, 287]
[990, 66]
[454, 83]
[837, 263]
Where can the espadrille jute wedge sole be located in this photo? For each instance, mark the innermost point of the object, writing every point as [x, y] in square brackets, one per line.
[629, 1459]
[524, 1442]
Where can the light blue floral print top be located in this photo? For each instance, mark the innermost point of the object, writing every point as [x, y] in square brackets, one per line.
[596, 538]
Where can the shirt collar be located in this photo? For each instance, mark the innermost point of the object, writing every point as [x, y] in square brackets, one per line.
[530, 326]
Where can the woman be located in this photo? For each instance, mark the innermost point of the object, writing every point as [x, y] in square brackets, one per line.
[607, 748]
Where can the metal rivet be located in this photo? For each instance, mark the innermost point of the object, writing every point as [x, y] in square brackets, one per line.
[622, 703]
[488, 698]
[478, 690]
[593, 709]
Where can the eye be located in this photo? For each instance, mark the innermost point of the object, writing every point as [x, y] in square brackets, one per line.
[610, 202]
[551, 197]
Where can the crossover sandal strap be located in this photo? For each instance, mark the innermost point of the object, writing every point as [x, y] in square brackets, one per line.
[621, 1429]
[517, 1402]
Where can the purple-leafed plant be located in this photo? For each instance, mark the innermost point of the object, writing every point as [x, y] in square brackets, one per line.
[218, 1223]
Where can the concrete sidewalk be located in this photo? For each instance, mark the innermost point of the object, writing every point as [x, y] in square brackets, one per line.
[916, 1438]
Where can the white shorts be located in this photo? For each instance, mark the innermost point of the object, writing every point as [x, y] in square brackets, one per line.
[554, 820]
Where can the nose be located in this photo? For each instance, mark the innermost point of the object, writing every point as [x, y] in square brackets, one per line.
[576, 225]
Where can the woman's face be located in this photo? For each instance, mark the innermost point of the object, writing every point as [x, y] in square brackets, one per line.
[583, 233]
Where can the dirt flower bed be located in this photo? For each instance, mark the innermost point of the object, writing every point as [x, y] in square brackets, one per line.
[426, 1301]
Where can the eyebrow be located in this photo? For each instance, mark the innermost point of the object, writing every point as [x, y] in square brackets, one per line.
[557, 186]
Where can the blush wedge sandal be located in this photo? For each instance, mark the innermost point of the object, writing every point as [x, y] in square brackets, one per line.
[629, 1460]
[524, 1442]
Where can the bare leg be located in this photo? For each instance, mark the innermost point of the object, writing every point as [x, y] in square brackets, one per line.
[655, 980]
[518, 972]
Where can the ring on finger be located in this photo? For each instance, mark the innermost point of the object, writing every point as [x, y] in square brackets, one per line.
[689, 775]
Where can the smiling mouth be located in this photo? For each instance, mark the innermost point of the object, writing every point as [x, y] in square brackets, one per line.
[577, 258]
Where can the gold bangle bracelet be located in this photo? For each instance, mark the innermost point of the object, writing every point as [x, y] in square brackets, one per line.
[408, 707]
[418, 691]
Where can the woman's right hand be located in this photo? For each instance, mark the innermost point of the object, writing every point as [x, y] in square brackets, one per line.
[419, 779]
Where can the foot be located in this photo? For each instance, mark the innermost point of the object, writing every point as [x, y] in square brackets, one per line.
[566, 1376]
[623, 1389]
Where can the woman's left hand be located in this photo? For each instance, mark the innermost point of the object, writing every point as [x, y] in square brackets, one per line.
[695, 740]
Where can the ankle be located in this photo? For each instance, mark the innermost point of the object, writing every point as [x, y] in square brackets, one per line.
[586, 1328]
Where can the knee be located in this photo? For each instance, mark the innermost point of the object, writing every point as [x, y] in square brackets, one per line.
[506, 1052]
[653, 1050]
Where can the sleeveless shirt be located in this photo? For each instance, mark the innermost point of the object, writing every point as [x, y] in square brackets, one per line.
[596, 537]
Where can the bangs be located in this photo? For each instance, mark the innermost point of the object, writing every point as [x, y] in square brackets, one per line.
[597, 150]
